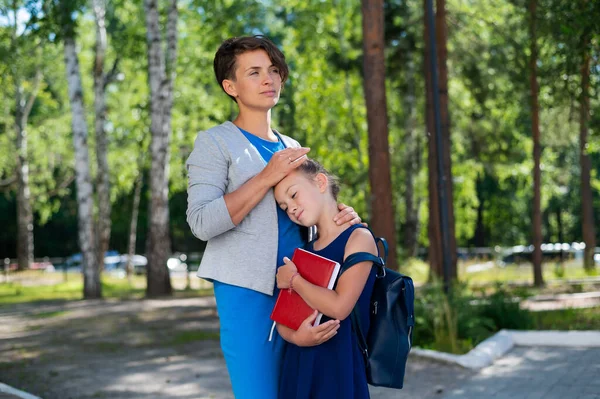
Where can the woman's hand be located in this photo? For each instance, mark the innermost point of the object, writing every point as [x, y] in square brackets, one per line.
[307, 335]
[346, 215]
[285, 273]
[282, 163]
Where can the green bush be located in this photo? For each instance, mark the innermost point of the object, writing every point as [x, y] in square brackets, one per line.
[459, 321]
[504, 310]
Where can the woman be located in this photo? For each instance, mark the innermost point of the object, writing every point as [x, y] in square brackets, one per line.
[231, 172]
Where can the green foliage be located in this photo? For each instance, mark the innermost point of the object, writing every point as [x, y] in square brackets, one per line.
[322, 106]
[459, 321]
[448, 323]
[503, 309]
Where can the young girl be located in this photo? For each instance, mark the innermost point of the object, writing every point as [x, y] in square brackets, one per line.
[334, 369]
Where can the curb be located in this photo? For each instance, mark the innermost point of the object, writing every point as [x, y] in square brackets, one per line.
[503, 341]
[15, 392]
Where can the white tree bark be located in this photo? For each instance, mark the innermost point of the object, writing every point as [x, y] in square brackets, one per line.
[134, 218]
[23, 105]
[24, 211]
[161, 74]
[91, 273]
[103, 183]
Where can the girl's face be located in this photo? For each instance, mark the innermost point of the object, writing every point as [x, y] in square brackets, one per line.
[257, 83]
[301, 197]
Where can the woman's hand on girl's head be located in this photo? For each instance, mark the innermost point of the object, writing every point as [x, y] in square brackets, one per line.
[347, 214]
[282, 163]
[307, 335]
[285, 273]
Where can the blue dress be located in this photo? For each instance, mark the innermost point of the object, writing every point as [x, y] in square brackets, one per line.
[336, 368]
[254, 362]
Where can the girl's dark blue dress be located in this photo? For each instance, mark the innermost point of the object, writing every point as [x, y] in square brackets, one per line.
[336, 368]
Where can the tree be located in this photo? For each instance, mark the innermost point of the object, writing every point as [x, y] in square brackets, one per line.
[383, 220]
[435, 230]
[587, 209]
[574, 26]
[161, 76]
[101, 80]
[64, 12]
[538, 279]
[21, 50]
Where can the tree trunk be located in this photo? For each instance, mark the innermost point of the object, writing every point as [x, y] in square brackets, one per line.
[435, 232]
[587, 210]
[23, 107]
[24, 211]
[133, 224]
[91, 274]
[161, 74]
[411, 165]
[103, 183]
[538, 279]
[559, 228]
[479, 239]
[383, 221]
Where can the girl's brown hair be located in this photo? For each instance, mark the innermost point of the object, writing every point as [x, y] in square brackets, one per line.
[312, 168]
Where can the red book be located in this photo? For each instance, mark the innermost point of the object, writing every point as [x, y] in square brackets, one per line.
[290, 309]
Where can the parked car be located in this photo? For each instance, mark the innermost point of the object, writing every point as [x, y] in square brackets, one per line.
[112, 261]
[139, 263]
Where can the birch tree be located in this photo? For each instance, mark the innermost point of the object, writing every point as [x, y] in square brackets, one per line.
[161, 76]
[101, 80]
[26, 79]
[64, 12]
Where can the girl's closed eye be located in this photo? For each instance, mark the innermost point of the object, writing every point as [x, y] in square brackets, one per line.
[294, 196]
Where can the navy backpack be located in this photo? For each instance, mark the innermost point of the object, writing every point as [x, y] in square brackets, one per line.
[386, 346]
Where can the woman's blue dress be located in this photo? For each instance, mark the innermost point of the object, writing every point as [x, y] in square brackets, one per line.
[336, 368]
[253, 361]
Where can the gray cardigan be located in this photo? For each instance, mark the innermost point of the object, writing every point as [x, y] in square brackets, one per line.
[244, 255]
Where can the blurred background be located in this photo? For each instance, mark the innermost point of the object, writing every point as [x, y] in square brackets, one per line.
[87, 87]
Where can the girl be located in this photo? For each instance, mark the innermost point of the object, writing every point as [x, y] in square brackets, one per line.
[334, 369]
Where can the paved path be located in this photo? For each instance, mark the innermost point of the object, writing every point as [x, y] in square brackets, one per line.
[126, 350]
[524, 373]
[536, 373]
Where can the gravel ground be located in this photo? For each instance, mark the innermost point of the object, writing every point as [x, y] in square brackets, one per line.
[165, 348]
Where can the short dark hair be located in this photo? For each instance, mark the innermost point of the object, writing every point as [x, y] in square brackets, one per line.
[225, 59]
[312, 168]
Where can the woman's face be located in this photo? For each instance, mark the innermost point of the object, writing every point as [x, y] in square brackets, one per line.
[301, 197]
[257, 82]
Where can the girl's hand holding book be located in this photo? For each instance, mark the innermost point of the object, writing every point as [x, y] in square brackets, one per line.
[307, 335]
[285, 273]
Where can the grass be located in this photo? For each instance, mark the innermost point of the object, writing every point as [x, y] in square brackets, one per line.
[48, 315]
[523, 273]
[33, 286]
[567, 319]
[185, 337]
[516, 273]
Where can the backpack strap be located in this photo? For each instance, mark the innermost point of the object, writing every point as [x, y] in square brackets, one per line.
[350, 261]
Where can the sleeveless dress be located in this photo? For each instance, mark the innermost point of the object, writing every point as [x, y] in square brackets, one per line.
[254, 362]
[336, 368]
